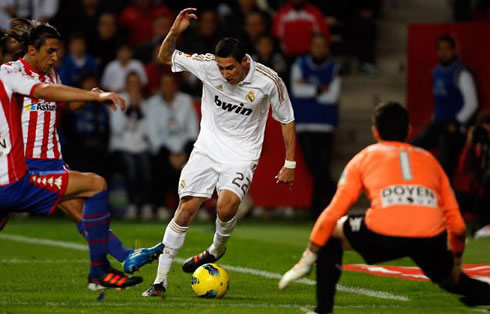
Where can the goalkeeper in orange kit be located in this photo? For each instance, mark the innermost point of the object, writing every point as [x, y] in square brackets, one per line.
[413, 214]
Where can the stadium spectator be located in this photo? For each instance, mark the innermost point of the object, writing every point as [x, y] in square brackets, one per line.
[40, 10]
[315, 89]
[455, 100]
[78, 17]
[256, 24]
[138, 19]
[362, 33]
[154, 71]
[353, 28]
[295, 24]
[6, 13]
[268, 54]
[86, 132]
[129, 143]
[173, 127]
[161, 26]
[76, 62]
[234, 17]
[204, 37]
[336, 16]
[114, 76]
[103, 45]
[474, 163]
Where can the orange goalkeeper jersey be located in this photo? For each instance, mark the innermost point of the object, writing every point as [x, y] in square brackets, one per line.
[409, 192]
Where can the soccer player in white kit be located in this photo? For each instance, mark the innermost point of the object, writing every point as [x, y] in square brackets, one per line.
[237, 94]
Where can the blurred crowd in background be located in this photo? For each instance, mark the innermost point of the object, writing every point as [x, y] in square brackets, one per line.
[113, 44]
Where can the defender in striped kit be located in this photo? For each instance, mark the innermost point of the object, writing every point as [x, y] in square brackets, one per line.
[40, 191]
[39, 118]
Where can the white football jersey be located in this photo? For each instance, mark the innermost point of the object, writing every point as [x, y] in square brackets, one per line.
[234, 116]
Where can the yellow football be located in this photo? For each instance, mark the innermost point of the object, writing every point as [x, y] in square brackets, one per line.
[210, 281]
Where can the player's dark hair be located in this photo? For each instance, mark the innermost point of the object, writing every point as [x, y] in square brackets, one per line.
[230, 47]
[40, 33]
[16, 38]
[447, 38]
[391, 121]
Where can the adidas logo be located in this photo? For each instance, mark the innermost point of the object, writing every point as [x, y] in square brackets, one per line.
[238, 109]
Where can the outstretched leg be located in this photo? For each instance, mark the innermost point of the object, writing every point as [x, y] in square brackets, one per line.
[440, 265]
[74, 210]
[95, 221]
[173, 239]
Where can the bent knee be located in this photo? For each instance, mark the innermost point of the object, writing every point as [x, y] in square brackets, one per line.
[227, 206]
[185, 213]
[227, 212]
[99, 184]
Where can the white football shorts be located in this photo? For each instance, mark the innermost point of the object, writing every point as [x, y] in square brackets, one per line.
[201, 175]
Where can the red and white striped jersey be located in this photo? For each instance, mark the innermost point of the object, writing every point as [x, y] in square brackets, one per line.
[14, 84]
[39, 118]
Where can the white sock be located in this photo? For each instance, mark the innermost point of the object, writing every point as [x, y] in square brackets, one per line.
[173, 239]
[221, 236]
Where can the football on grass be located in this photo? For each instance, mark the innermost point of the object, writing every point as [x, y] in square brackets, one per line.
[210, 281]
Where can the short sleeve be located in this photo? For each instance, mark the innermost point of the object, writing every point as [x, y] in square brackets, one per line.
[196, 64]
[282, 110]
[17, 81]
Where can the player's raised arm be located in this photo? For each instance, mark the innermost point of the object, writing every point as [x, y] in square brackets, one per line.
[181, 23]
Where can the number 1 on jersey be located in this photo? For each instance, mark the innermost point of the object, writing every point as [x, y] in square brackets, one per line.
[405, 166]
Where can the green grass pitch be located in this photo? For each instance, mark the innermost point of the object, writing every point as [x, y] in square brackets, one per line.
[40, 278]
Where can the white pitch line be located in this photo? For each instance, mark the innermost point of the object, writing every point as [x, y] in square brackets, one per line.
[41, 261]
[355, 290]
[238, 269]
[63, 244]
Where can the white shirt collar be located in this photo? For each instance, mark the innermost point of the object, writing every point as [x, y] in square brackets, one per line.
[251, 71]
